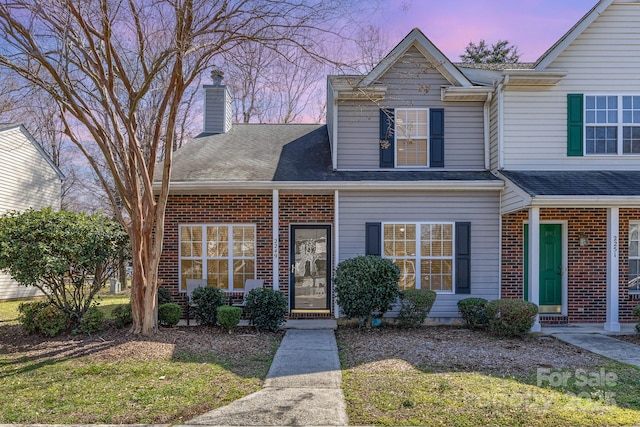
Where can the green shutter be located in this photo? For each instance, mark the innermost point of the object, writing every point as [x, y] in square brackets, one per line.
[575, 124]
[387, 140]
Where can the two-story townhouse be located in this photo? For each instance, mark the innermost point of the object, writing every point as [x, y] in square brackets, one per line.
[28, 179]
[565, 138]
[401, 170]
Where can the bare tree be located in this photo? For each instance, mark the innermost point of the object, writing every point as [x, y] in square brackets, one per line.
[106, 62]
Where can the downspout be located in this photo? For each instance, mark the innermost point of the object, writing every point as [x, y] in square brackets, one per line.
[334, 130]
[336, 247]
[501, 124]
[487, 133]
[275, 230]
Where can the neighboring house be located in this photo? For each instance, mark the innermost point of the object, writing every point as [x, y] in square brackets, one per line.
[512, 181]
[28, 179]
[565, 138]
[400, 170]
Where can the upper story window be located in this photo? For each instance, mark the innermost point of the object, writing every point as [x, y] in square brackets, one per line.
[224, 255]
[412, 137]
[612, 124]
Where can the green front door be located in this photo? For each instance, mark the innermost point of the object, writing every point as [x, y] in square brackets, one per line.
[550, 267]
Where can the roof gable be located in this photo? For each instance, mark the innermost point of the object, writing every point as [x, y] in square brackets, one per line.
[429, 50]
[554, 51]
[4, 127]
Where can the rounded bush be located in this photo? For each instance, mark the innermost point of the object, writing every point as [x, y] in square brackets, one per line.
[366, 286]
[228, 316]
[164, 296]
[473, 312]
[169, 314]
[205, 302]
[510, 317]
[91, 322]
[266, 308]
[415, 305]
[122, 315]
[43, 318]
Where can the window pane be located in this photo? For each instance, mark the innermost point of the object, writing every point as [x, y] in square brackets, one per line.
[217, 241]
[243, 270]
[189, 269]
[191, 241]
[218, 273]
[407, 274]
[243, 241]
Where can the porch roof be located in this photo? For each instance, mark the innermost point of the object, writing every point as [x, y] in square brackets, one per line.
[576, 183]
[258, 154]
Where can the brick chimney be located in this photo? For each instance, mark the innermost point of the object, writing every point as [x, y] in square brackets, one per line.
[217, 105]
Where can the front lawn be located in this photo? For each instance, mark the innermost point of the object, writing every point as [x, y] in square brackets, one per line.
[447, 376]
[115, 377]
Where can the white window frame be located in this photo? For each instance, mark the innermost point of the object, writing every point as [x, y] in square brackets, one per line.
[619, 124]
[396, 138]
[418, 257]
[204, 258]
[635, 258]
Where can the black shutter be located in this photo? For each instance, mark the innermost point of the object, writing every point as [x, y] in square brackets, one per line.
[387, 143]
[436, 136]
[463, 257]
[373, 238]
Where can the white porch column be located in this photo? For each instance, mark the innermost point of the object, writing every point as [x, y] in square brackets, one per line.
[613, 269]
[534, 262]
[336, 247]
[275, 221]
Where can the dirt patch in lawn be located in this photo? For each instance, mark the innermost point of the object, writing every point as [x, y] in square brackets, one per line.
[633, 339]
[446, 348]
[119, 345]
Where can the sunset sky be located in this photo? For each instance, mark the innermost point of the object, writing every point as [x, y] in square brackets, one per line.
[532, 25]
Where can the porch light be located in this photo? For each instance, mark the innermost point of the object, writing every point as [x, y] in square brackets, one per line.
[582, 239]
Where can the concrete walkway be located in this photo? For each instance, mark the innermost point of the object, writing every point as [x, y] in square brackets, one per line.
[302, 386]
[598, 341]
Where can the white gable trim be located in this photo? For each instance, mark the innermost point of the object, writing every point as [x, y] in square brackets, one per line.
[550, 55]
[429, 50]
[38, 147]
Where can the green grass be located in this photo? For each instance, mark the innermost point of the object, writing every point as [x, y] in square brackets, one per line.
[81, 390]
[423, 397]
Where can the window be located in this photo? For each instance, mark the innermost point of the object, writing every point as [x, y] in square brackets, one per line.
[612, 124]
[222, 254]
[424, 252]
[412, 136]
[634, 257]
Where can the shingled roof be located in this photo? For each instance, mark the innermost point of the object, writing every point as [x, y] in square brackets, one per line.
[576, 183]
[283, 153]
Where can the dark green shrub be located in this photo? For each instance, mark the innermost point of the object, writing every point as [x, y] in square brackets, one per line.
[636, 313]
[266, 308]
[122, 316]
[473, 312]
[510, 317]
[169, 314]
[27, 313]
[164, 296]
[43, 318]
[205, 301]
[415, 305]
[91, 322]
[228, 316]
[366, 286]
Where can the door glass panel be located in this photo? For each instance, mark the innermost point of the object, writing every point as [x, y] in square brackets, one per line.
[310, 268]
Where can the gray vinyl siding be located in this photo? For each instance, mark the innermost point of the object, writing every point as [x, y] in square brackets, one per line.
[511, 200]
[494, 154]
[217, 109]
[604, 59]
[479, 208]
[27, 180]
[409, 86]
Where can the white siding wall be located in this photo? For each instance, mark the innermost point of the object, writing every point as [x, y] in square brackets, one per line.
[26, 181]
[494, 159]
[604, 59]
[480, 208]
[407, 82]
